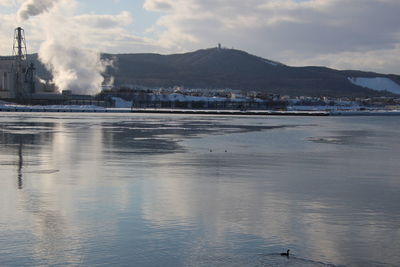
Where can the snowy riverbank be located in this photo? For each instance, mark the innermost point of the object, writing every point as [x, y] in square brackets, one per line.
[291, 111]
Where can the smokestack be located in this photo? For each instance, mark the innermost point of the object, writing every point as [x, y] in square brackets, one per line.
[19, 40]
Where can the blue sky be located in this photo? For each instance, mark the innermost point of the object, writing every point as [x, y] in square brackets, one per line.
[343, 34]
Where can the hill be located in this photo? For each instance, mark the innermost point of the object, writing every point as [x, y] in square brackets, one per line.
[230, 68]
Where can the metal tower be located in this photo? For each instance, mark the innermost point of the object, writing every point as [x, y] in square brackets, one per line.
[24, 73]
[19, 46]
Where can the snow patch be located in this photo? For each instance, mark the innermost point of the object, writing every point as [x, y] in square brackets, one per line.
[324, 108]
[377, 83]
[270, 62]
[16, 107]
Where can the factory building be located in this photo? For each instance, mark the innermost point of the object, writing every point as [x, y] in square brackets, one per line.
[17, 79]
[18, 82]
[7, 77]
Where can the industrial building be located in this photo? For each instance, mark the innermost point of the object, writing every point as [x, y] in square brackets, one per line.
[19, 84]
[17, 79]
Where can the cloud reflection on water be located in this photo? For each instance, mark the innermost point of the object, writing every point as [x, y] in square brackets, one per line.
[149, 185]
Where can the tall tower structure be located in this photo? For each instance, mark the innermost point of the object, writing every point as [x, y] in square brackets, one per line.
[23, 73]
[19, 46]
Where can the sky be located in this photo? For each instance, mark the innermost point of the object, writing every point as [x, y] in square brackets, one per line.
[342, 34]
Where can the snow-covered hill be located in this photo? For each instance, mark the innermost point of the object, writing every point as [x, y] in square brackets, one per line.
[377, 83]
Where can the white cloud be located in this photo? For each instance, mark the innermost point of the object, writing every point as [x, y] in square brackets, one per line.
[286, 30]
[377, 60]
[102, 32]
[7, 25]
[9, 2]
[361, 34]
[104, 21]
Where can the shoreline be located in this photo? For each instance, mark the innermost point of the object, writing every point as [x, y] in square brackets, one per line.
[94, 109]
[6, 109]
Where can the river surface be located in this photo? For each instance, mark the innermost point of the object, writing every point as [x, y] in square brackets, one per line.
[175, 190]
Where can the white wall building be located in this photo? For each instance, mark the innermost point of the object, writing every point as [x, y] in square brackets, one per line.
[7, 77]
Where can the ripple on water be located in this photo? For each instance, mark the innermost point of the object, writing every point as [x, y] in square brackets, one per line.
[276, 260]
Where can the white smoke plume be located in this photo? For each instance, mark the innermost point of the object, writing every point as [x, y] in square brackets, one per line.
[73, 68]
[31, 8]
[64, 52]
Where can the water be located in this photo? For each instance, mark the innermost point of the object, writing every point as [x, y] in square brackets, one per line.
[153, 190]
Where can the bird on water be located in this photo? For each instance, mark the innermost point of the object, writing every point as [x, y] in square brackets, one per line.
[285, 254]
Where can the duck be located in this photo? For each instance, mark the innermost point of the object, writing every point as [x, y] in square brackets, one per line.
[285, 254]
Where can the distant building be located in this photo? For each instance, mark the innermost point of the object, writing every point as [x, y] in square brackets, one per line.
[7, 77]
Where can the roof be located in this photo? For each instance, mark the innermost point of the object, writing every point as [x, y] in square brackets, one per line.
[8, 57]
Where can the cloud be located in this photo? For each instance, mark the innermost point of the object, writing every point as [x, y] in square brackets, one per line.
[335, 33]
[7, 26]
[381, 60]
[8, 3]
[158, 5]
[104, 21]
[285, 30]
[102, 32]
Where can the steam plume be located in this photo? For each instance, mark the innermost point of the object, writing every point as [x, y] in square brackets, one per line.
[63, 52]
[73, 68]
[32, 8]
